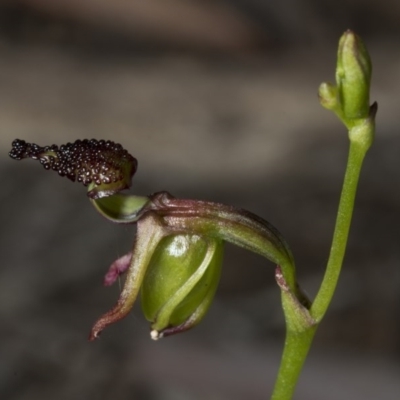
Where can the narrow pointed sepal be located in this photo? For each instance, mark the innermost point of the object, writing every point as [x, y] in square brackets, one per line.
[149, 233]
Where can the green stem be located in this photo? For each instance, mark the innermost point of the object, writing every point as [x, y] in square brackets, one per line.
[298, 341]
[300, 336]
[297, 345]
[356, 156]
[349, 99]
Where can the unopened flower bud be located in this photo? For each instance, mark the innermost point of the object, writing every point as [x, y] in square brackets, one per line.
[353, 76]
[328, 96]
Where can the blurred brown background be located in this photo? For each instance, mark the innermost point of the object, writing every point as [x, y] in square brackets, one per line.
[217, 100]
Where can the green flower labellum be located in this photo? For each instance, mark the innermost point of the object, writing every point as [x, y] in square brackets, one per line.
[180, 282]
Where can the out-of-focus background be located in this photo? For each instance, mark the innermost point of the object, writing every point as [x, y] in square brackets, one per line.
[217, 100]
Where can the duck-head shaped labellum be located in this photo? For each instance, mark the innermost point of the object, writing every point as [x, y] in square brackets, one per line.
[106, 167]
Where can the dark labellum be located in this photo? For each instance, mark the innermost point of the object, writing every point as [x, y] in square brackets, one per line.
[86, 161]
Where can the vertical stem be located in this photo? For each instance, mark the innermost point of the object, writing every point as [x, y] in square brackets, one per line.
[297, 345]
[298, 341]
[343, 220]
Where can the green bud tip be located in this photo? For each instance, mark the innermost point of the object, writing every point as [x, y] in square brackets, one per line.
[353, 76]
[328, 96]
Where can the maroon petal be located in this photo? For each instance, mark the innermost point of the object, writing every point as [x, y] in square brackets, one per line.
[117, 268]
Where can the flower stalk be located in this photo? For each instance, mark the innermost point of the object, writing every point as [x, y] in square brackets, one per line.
[349, 100]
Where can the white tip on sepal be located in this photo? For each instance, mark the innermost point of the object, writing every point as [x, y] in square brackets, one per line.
[155, 335]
